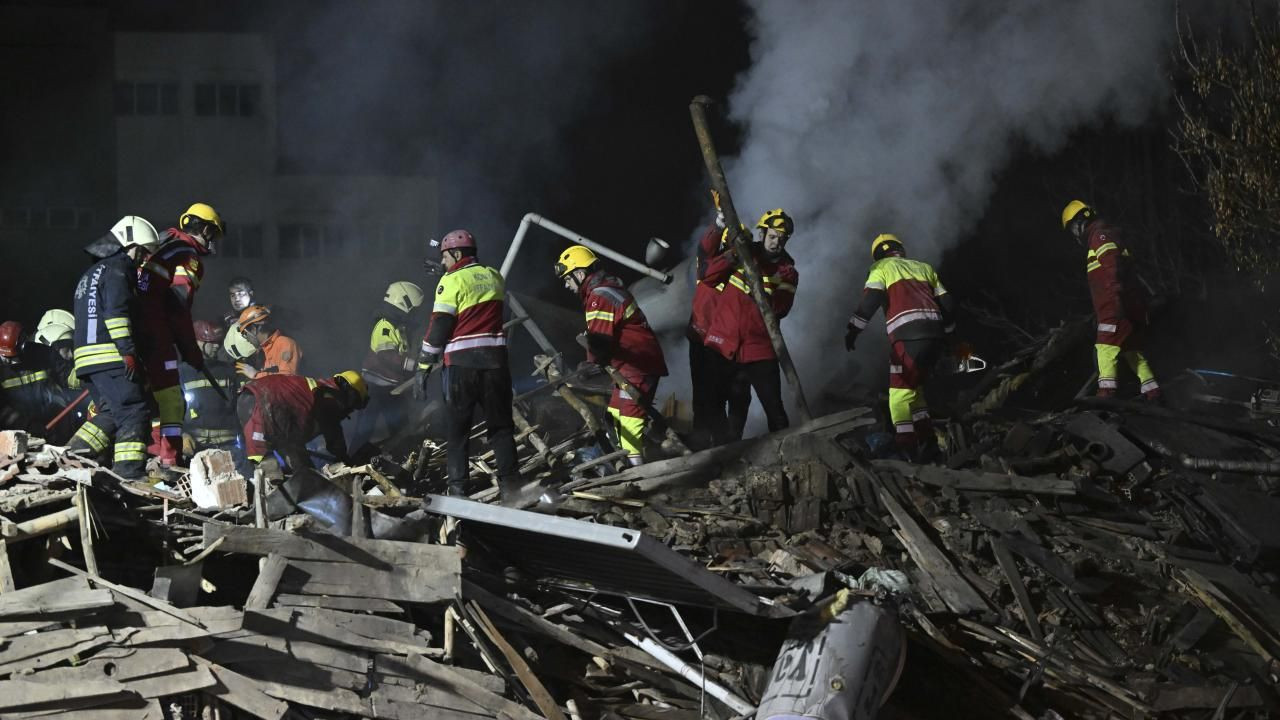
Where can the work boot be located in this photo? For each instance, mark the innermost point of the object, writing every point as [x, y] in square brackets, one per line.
[1108, 393]
[1154, 396]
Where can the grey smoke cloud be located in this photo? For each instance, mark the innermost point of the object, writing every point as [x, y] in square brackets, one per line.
[869, 117]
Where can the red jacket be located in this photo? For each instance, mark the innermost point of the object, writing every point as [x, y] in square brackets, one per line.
[737, 329]
[705, 295]
[1119, 301]
[617, 330]
[290, 410]
[466, 319]
[167, 282]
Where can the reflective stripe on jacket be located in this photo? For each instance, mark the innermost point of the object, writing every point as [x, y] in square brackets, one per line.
[915, 303]
[617, 331]
[1119, 301]
[104, 303]
[737, 329]
[466, 319]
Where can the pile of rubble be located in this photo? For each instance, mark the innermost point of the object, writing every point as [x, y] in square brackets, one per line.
[1107, 560]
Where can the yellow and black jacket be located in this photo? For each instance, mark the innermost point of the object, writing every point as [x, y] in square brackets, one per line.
[104, 304]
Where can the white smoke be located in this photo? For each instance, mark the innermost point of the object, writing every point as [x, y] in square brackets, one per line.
[870, 117]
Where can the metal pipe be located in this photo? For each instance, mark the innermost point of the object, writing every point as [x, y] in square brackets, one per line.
[1258, 467]
[536, 219]
[692, 674]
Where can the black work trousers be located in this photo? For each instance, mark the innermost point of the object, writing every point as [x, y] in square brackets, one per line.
[708, 418]
[123, 421]
[465, 389]
[733, 383]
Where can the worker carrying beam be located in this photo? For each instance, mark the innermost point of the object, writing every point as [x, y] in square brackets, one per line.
[744, 354]
[278, 354]
[1119, 300]
[465, 334]
[106, 351]
[389, 361]
[709, 423]
[918, 313]
[618, 335]
[285, 412]
[168, 283]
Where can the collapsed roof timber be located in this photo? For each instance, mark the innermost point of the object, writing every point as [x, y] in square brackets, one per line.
[1095, 559]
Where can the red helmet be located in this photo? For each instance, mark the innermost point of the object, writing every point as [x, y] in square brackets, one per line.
[457, 239]
[208, 332]
[10, 338]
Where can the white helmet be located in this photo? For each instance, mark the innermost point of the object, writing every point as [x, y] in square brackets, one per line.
[133, 230]
[55, 325]
[405, 295]
[237, 345]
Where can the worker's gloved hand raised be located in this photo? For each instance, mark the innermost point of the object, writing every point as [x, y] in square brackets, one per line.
[850, 339]
[247, 370]
[420, 382]
[589, 368]
[131, 366]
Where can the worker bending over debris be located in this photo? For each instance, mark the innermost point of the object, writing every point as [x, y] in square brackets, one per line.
[211, 417]
[167, 285]
[389, 362]
[29, 390]
[618, 335]
[106, 353]
[744, 355]
[1119, 300]
[278, 353]
[466, 335]
[918, 314]
[285, 412]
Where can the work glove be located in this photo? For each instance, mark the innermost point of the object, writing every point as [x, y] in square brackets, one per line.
[131, 366]
[246, 370]
[420, 387]
[588, 368]
[409, 364]
[850, 338]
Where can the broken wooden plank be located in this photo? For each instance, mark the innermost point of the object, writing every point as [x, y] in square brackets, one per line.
[524, 618]
[430, 583]
[536, 689]
[6, 572]
[330, 602]
[242, 692]
[119, 664]
[265, 586]
[131, 593]
[951, 586]
[1010, 569]
[980, 480]
[30, 695]
[328, 627]
[379, 554]
[41, 650]
[68, 595]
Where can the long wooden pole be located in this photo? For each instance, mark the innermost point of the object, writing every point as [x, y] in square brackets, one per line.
[741, 243]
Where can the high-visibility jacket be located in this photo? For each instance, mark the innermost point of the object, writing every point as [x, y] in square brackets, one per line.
[384, 365]
[915, 303]
[206, 410]
[617, 331]
[466, 319]
[104, 305]
[737, 329]
[705, 295]
[29, 386]
[168, 281]
[1119, 301]
[279, 355]
[290, 410]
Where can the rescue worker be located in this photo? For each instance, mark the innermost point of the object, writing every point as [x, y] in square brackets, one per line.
[106, 353]
[167, 284]
[211, 418]
[56, 330]
[918, 313]
[709, 422]
[618, 335]
[285, 412]
[1119, 300]
[465, 334]
[278, 353]
[744, 353]
[240, 293]
[388, 363]
[29, 393]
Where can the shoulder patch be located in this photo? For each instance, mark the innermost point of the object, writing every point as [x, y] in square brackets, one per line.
[440, 289]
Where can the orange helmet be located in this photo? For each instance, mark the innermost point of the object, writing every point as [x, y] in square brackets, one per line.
[253, 315]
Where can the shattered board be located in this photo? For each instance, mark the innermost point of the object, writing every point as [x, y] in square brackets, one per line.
[603, 558]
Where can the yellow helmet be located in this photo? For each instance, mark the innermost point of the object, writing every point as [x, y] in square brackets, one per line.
[884, 243]
[198, 215]
[1074, 208]
[237, 345]
[356, 382]
[404, 295]
[55, 325]
[577, 257]
[777, 219]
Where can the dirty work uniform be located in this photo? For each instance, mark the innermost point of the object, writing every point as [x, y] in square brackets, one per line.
[918, 315]
[284, 412]
[466, 328]
[279, 355]
[618, 334]
[744, 354]
[167, 282]
[386, 366]
[211, 421]
[708, 418]
[1121, 308]
[104, 300]
[29, 392]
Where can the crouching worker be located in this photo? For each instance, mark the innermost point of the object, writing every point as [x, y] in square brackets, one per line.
[285, 412]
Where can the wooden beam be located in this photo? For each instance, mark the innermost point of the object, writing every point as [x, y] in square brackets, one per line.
[1010, 568]
[131, 593]
[60, 596]
[536, 689]
[951, 586]
[268, 579]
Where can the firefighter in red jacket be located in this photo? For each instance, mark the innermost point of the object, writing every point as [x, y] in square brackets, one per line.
[709, 421]
[1119, 300]
[618, 335]
[284, 412]
[743, 351]
[918, 315]
[466, 329]
[167, 284]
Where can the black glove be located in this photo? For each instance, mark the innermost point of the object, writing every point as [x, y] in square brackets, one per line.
[587, 369]
[420, 384]
[850, 339]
